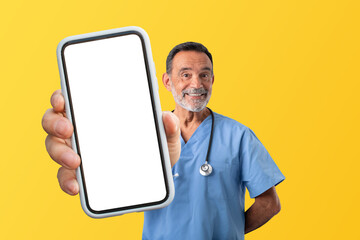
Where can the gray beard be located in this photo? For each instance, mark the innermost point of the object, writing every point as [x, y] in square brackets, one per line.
[180, 100]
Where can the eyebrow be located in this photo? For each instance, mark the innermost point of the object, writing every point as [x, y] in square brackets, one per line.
[206, 68]
[184, 69]
[187, 68]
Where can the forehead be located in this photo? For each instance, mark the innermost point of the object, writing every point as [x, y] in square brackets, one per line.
[191, 59]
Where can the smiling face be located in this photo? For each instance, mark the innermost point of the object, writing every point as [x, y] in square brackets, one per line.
[190, 80]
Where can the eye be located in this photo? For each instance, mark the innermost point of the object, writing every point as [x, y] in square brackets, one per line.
[186, 75]
[205, 76]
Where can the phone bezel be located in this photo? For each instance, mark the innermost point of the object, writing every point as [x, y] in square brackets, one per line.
[149, 72]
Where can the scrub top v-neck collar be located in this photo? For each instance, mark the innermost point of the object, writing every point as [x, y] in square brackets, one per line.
[197, 133]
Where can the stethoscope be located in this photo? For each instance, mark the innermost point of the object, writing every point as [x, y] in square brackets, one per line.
[206, 169]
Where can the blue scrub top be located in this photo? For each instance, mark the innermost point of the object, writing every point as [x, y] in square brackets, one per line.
[212, 207]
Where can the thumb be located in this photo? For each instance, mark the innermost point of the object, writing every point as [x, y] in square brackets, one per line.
[172, 130]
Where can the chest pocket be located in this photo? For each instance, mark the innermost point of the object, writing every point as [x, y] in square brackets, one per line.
[222, 183]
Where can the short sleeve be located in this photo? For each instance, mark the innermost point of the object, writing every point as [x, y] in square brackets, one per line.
[258, 170]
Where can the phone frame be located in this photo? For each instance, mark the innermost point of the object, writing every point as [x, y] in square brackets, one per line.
[155, 101]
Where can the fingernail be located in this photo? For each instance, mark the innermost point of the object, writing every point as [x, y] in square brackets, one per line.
[72, 186]
[61, 127]
[175, 118]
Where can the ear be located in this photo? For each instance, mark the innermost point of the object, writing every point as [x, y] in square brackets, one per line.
[213, 78]
[166, 81]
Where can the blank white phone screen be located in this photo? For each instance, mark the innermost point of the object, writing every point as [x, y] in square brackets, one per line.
[115, 124]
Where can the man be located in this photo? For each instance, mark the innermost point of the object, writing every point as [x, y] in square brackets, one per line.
[204, 207]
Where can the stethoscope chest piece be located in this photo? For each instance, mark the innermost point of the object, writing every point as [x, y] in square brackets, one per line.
[206, 169]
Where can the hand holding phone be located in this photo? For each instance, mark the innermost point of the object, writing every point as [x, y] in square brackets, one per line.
[111, 99]
[58, 143]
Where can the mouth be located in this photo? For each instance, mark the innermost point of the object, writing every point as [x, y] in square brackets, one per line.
[195, 95]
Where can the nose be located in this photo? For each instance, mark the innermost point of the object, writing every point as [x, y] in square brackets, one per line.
[196, 82]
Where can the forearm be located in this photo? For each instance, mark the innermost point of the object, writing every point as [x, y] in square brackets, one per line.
[264, 208]
[255, 217]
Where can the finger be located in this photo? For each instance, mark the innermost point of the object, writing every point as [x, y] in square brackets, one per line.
[67, 181]
[172, 129]
[172, 126]
[57, 101]
[57, 125]
[68, 142]
[62, 153]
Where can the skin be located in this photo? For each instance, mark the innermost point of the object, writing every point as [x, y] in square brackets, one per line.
[58, 144]
[266, 206]
[190, 70]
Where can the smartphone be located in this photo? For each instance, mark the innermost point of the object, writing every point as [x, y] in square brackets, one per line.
[111, 97]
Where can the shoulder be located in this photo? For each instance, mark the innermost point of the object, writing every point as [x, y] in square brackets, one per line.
[227, 122]
[232, 134]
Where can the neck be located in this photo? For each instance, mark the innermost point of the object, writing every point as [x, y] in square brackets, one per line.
[188, 118]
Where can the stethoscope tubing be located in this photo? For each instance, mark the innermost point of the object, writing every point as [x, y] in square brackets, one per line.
[206, 168]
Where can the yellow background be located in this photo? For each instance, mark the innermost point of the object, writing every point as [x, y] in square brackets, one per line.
[287, 69]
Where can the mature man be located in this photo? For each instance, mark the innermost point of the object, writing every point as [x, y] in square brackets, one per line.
[204, 207]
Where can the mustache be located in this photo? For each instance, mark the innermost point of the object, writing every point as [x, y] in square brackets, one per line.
[194, 91]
